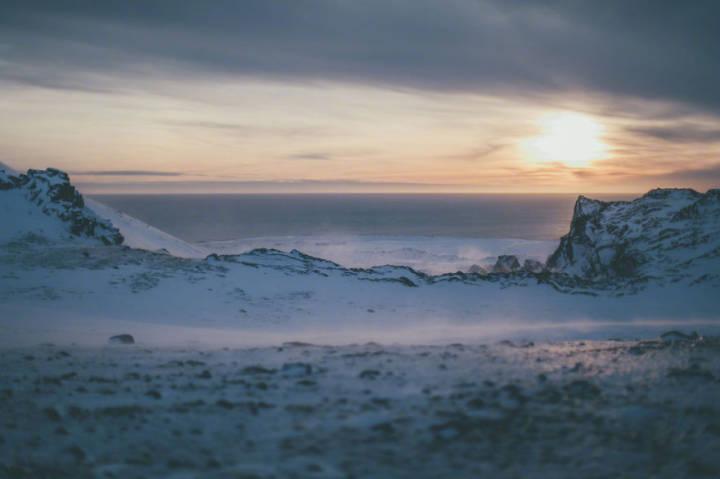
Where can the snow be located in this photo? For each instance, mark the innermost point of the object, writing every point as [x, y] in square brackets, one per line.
[143, 236]
[8, 169]
[80, 284]
[22, 218]
[665, 235]
[501, 410]
[432, 255]
[279, 364]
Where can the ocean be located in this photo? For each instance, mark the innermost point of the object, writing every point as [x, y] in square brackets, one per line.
[432, 233]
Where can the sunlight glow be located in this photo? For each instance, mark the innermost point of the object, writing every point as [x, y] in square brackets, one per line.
[571, 139]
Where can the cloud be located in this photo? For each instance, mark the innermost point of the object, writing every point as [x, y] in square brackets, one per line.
[310, 156]
[126, 173]
[479, 153]
[680, 133]
[243, 129]
[709, 176]
[667, 50]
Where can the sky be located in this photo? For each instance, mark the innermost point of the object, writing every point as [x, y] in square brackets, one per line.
[451, 96]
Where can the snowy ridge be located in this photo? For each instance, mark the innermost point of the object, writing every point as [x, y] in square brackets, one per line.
[432, 255]
[667, 234]
[143, 236]
[44, 203]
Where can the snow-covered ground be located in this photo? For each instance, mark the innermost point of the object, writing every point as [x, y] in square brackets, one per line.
[432, 255]
[66, 285]
[507, 374]
[504, 410]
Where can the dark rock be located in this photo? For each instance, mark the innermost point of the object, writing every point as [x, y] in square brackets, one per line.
[122, 339]
[692, 372]
[258, 370]
[297, 369]
[506, 264]
[477, 269]
[53, 193]
[153, 394]
[369, 374]
[533, 266]
[581, 389]
[52, 414]
[678, 336]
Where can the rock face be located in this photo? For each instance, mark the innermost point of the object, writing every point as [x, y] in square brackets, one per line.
[666, 233]
[506, 264]
[533, 266]
[477, 269]
[52, 192]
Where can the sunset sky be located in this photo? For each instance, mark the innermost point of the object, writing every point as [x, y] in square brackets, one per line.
[363, 96]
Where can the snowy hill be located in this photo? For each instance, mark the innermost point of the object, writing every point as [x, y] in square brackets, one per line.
[44, 204]
[140, 235]
[667, 234]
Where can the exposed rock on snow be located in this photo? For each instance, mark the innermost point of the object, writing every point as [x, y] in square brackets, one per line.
[533, 266]
[669, 233]
[677, 336]
[506, 264]
[50, 191]
[122, 339]
[477, 269]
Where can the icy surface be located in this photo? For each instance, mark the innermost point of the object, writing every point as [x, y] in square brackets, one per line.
[501, 410]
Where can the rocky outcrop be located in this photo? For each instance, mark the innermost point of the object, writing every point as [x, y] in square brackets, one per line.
[52, 192]
[506, 264]
[664, 233]
[122, 339]
[533, 266]
[477, 269]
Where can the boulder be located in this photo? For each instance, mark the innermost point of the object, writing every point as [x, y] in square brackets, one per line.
[477, 269]
[506, 264]
[533, 266]
[122, 339]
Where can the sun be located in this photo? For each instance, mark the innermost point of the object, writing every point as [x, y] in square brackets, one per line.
[572, 139]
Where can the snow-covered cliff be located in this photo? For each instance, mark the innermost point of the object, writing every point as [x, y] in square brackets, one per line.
[667, 234]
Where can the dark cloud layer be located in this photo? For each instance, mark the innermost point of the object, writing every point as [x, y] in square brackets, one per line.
[127, 173]
[660, 49]
[680, 133]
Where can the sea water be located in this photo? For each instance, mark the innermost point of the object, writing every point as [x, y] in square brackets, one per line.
[432, 233]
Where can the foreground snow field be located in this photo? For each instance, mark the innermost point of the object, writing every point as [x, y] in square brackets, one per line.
[590, 409]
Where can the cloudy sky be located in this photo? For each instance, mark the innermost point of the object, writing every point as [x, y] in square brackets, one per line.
[352, 96]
